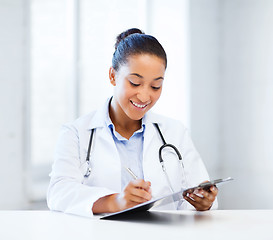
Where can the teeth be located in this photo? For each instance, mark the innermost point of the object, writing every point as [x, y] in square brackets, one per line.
[138, 105]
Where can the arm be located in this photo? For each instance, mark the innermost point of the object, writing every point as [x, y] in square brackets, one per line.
[66, 191]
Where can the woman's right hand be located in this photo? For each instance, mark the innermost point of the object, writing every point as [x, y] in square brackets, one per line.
[136, 192]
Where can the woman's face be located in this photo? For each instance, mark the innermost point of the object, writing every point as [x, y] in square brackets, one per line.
[138, 85]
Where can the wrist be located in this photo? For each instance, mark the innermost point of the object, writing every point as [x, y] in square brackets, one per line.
[106, 204]
[113, 205]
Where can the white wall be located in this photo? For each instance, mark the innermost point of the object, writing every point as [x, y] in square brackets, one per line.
[247, 102]
[204, 56]
[232, 96]
[13, 65]
[174, 101]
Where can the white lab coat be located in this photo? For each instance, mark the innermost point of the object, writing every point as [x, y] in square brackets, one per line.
[70, 192]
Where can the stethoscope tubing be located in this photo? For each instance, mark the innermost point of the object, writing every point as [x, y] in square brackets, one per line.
[88, 172]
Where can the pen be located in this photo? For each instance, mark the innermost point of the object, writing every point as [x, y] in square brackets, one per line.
[131, 172]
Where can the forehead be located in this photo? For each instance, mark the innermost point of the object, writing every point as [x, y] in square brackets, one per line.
[145, 63]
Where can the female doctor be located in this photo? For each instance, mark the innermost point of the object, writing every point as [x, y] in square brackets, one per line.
[97, 155]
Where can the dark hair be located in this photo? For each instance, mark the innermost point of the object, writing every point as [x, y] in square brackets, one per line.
[132, 42]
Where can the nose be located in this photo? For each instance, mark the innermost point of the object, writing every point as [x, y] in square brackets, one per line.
[144, 95]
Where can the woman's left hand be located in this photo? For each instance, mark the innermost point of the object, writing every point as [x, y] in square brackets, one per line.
[202, 199]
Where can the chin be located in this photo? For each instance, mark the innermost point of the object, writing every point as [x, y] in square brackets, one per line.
[136, 117]
[135, 114]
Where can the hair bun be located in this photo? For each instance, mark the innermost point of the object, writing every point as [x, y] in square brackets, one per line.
[125, 34]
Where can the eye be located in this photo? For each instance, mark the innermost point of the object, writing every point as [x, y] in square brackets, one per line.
[156, 88]
[134, 84]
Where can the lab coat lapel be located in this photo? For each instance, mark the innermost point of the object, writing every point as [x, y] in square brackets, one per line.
[150, 131]
[98, 119]
[149, 134]
[107, 161]
[151, 166]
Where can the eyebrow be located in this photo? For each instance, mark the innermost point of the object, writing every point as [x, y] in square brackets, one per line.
[138, 75]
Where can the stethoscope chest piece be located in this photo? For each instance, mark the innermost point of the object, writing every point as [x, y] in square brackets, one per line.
[88, 170]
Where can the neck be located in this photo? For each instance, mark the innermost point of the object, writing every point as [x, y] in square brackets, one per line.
[123, 124]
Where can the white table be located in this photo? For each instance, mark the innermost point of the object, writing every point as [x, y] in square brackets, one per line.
[218, 224]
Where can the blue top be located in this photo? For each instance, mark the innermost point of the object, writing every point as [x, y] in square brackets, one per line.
[130, 151]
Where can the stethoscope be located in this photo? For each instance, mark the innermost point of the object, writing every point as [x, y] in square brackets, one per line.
[165, 145]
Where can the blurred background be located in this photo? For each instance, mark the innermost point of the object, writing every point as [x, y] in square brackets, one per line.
[54, 61]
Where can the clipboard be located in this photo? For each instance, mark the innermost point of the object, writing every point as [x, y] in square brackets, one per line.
[207, 185]
[146, 205]
[174, 197]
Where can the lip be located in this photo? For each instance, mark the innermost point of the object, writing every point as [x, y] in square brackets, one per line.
[138, 105]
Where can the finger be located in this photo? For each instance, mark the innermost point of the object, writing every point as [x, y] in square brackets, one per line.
[201, 199]
[136, 199]
[207, 196]
[211, 197]
[210, 194]
[136, 188]
[196, 205]
[140, 183]
[141, 193]
[131, 189]
[214, 190]
[200, 203]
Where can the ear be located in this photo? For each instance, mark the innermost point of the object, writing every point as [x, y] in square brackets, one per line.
[112, 76]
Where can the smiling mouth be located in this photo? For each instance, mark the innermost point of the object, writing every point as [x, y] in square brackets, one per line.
[138, 105]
